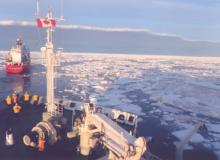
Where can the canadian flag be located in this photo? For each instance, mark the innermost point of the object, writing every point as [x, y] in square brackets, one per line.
[46, 22]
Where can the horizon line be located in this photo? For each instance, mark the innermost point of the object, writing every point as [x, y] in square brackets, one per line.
[127, 54]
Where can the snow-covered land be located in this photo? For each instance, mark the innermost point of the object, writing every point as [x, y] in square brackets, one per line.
[180, 91]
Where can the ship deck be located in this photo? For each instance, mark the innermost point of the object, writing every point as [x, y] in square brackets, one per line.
[23, 123]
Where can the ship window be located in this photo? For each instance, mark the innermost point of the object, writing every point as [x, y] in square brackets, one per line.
[72, 105]
[121, 117]
[131, 119]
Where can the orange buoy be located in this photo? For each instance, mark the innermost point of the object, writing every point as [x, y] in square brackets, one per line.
[41, 144]
[16, 108]
[8, 100]
[26, 97]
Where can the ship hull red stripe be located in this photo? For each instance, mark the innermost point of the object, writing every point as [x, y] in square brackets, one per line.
[16, 69]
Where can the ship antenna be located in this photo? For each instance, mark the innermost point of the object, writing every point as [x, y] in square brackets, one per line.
[37, 8]
[61, 10]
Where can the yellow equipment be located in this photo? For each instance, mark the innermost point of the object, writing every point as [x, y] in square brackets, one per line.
[16, 108]
[35, 98]
[26, 97]
[8, 100]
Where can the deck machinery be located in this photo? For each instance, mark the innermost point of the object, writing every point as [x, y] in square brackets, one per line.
[91, 124]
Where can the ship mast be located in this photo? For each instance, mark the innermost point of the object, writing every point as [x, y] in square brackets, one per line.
[38, 8]
[93, 127]
[51, 60]
[50, 63]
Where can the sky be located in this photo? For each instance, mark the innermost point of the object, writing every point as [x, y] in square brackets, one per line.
[191, 19]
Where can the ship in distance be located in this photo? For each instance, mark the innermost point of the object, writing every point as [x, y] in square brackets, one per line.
[18, 59]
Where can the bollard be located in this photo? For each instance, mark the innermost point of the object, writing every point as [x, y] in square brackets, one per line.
[9, 138]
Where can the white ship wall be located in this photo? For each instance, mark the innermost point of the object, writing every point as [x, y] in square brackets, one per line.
[16, 57]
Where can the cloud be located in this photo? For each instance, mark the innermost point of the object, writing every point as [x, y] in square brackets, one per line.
[95, 28]
[16, 23]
